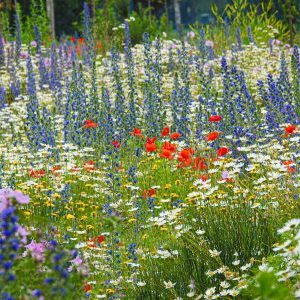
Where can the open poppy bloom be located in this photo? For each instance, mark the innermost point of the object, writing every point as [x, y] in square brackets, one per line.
[165, 131]
[37, 173]
[167, 154]
[137, 132]
[290, 129]
[90, 124]
[203, 177]
[55, 169]
[175, 135]
[73, 39]
[99, 239]
[185, 157]
[215, 118]
[168, 146]
[212, 136]
[151, 147]
[87, 288]
[151, 140]
[199, 164]
[149, 193]
[222, 151]
[89, 165]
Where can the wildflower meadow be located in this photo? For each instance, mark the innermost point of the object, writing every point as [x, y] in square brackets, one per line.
[168, 169]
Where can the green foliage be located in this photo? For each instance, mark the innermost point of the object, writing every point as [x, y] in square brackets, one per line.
[4, 23]
[265, 286]
[147, 22]
[260, 17]
[37, 16]
[291, 16]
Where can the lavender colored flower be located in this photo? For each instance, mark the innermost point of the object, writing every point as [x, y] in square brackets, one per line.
[33, 44]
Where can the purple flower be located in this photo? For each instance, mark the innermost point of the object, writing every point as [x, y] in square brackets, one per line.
[225, 175]
[191, 34]
[36, 250]
[4, 203]
[9, 193]
[24, 54]
[33, 43]
[77, 261]
[23, 233]
[47, 62]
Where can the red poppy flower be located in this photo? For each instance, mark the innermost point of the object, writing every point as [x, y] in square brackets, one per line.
[137, 132]
[151, 147]
[90, 124]
[37, 173]
[290, 129]
[185, 157]
[55, 169]
[169, 146]
[89, 165]
[167, 154]
[222, 151]
[199, 164]
[151, 140]
[215, 118]
[165, 131]
[149, 193]
[186, 154]
[291, 169]
[204, 177]
[87, 287]
[212, 136]
[288, 162]
[81, 40]
[73, 39]
[99, 239]
[175, 135]
[116, 144]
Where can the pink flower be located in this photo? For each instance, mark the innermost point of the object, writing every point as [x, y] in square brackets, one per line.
[23, 233]
[276, 42]
[209, 43]
[36, 250]
[33, 44]
[77, 261]
[191, 34]
[24, 54]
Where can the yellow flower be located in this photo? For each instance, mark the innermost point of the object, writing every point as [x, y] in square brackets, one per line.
[69, 216]
[168, 185]
[174, 195]
[131, 220]
[110, 291]
[154, 167]
[56, 195]
[27, 213]
[89, 227]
